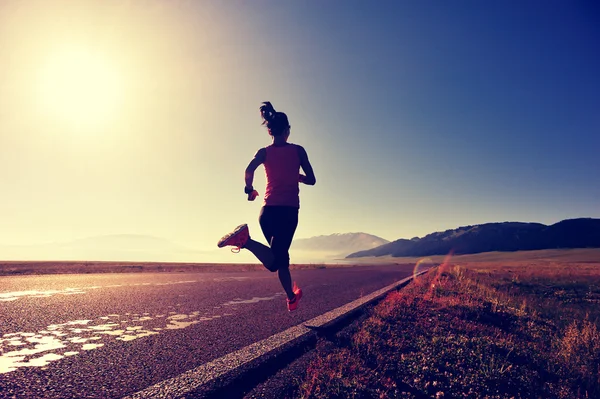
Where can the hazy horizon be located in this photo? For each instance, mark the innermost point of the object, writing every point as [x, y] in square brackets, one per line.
[140, 117]
[125, 234]
[145, 248]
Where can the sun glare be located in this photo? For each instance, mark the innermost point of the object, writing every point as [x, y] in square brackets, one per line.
[80, 86]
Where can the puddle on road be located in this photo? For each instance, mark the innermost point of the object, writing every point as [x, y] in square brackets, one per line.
[57, 341]
[13, 296]
[238, 301]
[241, 278]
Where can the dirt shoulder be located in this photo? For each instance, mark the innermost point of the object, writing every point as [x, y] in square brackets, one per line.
[582, 255]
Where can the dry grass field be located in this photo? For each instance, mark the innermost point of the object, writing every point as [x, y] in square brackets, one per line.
[584, 255]
[522, 326]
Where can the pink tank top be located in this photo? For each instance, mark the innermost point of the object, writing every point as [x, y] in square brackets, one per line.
[282, 166]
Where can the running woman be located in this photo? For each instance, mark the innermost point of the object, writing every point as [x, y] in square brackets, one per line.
[279, 215]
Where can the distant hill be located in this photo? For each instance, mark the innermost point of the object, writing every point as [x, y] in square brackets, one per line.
[336, 245]
[506, 236]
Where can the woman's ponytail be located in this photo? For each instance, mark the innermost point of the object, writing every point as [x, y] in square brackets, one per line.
[267, 112]
[276, 122]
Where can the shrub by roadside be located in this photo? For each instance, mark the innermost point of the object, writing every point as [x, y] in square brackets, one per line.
[458, 333]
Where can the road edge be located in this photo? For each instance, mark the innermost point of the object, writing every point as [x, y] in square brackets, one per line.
[229, 373]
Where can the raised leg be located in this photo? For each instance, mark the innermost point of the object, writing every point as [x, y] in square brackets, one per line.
[262, 253]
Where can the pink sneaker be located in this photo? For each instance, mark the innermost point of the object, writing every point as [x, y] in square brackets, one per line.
[293, 304]
[237, 238]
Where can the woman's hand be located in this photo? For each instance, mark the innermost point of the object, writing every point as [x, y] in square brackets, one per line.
[252, 196]
[252, 193]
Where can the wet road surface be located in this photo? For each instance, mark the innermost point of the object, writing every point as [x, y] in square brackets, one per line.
[110, 335]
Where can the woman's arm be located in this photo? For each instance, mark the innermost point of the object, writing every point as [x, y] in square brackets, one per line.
[309, 178]
[258, 159]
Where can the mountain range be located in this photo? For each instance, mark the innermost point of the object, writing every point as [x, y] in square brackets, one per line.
[505, 236]
[336, 245]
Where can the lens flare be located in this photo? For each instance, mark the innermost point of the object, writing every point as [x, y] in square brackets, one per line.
[422, 265]
[446, 262]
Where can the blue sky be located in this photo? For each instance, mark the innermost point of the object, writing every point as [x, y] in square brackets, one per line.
[443, 113]
[417, 116]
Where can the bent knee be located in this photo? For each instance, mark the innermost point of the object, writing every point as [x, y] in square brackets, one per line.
[272, 268]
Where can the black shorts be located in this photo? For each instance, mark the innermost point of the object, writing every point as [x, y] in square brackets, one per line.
[278, 224]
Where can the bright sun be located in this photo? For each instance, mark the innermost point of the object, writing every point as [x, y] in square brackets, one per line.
[81, 87]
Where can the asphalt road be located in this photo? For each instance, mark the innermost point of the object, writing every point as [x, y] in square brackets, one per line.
[111, 335]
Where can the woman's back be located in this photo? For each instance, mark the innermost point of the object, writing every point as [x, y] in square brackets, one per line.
[282, 167]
